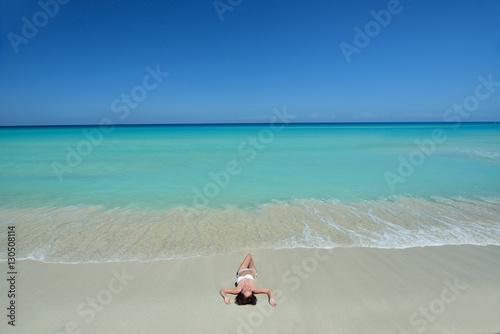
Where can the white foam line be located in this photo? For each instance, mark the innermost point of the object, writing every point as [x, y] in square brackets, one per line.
[337, 212]
[354, 211]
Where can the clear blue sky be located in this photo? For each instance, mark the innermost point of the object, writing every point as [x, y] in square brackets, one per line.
[262, 55]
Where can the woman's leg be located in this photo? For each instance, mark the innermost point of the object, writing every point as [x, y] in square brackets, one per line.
[246, 262]
[252, 265]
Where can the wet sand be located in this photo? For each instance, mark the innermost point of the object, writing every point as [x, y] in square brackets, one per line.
[448, 289]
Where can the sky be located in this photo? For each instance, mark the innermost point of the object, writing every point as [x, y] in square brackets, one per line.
[74, 62]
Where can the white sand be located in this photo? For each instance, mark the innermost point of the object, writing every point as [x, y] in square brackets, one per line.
[451, 289]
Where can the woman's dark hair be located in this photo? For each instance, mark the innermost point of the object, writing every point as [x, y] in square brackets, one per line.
[242, 300]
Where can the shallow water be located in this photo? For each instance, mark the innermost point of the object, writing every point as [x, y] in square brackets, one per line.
[144, 193]
[95, 234]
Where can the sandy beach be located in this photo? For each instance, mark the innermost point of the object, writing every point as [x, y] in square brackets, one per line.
[448, 289]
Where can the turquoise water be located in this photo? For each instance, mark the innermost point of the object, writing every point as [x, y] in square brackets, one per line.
[163, 167]
[158, 192]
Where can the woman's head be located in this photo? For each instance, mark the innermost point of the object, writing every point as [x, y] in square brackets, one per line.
[241, 299]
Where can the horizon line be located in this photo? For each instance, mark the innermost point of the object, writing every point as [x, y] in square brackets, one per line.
[231, 123]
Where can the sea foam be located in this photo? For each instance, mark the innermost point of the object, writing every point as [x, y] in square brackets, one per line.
[95, 234]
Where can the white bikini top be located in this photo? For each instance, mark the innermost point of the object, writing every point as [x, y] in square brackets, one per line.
[242, 277]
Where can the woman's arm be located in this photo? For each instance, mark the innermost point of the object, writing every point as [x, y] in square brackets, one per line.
[223, 292]
[269, 293]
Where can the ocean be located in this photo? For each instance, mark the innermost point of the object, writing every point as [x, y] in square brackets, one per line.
[145, 193]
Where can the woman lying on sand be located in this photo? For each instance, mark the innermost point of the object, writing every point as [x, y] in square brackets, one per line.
[245, 288]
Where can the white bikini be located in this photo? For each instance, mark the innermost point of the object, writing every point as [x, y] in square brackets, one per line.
[242, 277]
[248, 276]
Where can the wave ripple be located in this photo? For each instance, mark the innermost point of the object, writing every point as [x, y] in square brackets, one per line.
[81, 234]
